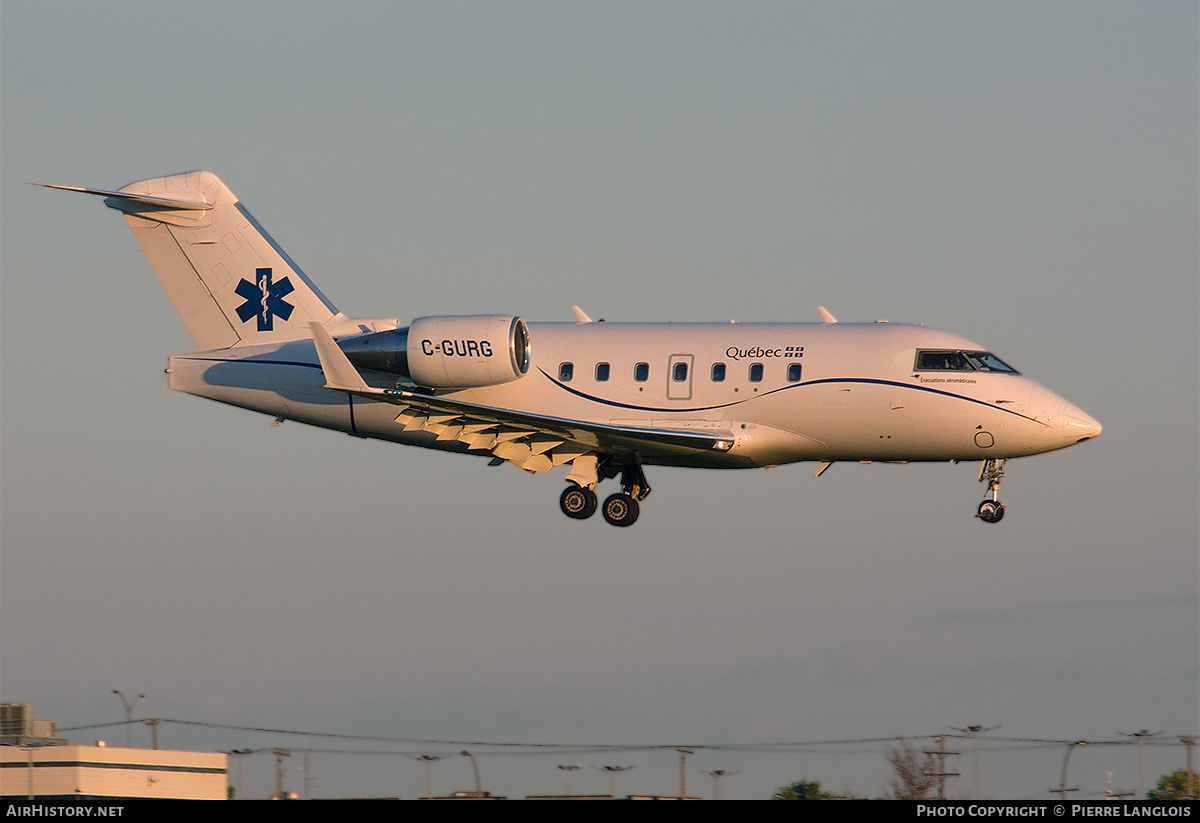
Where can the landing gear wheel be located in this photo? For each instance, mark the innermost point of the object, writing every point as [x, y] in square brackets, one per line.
[991, 511]
[578, 502]
[621, 510]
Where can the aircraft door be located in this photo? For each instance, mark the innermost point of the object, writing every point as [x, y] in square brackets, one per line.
[679, 377]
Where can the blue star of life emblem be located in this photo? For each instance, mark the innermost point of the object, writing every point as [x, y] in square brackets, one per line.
[264, 299]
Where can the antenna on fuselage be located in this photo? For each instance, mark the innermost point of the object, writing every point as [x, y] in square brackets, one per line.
[826, 317]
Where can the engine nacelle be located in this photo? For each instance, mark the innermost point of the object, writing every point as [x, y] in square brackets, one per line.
[447, 352]
[468, 351]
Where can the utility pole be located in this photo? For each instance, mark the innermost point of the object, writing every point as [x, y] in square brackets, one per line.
[941, 774]
[309, 781]
[153, 724]
[683, 755]
[1109, 792]
[280, 754]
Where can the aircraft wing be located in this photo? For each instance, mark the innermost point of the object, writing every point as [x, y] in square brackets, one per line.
[531, 441]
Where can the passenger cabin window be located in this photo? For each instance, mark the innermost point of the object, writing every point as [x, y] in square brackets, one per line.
[756, 372]
[679, 373]
[601, 372]
[949, 360]
[566, 371]
[718, 372]
[793, 372]
[641, 372]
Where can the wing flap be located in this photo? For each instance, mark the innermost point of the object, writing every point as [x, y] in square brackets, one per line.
[586, 433]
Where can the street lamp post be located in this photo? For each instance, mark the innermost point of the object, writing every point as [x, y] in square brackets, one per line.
[478, 782]
[128, 704]
[29, 747]
[974, 732]
[1139, 738]
[428, 760]
[716, 775]
[1062, 781]
[569, 769]
[239, 789]
[613, 771]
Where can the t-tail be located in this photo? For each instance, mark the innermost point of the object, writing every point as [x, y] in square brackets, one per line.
[230, 282]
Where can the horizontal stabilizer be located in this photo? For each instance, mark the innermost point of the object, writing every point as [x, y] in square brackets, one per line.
[179, 201]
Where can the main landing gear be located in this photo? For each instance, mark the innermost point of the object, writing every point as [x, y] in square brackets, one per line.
[578, 502]
[620, 509]
[992, 510]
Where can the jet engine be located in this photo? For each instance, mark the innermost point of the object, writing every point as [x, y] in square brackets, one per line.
[458, 352]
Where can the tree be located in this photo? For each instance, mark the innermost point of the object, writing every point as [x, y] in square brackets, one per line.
[915, 775]
[1174, 786]
[802, 790]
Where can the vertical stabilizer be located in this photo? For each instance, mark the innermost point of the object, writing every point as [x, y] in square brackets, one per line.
[230, 282]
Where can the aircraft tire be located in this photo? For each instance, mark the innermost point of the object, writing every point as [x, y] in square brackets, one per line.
[621, 510]
[578, 502]
[991, 511]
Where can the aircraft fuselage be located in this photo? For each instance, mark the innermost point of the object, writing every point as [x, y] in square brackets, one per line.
[788, 392]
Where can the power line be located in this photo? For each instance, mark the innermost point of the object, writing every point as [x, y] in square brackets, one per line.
[996, 743]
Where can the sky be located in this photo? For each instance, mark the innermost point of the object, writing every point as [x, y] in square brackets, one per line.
[1022, 174]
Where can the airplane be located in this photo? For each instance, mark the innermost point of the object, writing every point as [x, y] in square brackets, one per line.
[604, 398]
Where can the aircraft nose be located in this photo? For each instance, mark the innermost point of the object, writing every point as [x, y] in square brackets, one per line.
[1078, 426]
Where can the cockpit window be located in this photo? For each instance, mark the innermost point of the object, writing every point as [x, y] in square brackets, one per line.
[942, 361]
[986, 361]
[951, 360]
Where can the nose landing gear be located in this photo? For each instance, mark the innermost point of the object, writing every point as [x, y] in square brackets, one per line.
[992, 510]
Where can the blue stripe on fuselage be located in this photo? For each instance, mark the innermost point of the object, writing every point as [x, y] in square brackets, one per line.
[864, 380]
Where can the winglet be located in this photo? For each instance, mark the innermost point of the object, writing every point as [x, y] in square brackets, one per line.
[580, 315]
[826, 317]
[340, 373]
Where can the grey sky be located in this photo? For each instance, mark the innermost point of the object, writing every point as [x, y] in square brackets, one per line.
[1022, 174]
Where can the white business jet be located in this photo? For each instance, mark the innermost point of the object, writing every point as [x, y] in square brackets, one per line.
[605, 399]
